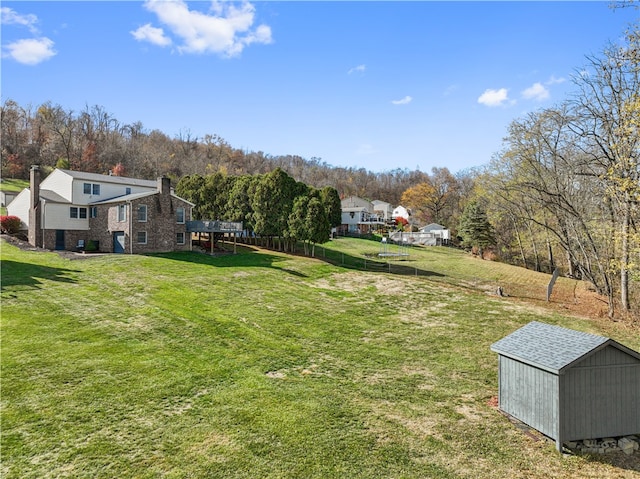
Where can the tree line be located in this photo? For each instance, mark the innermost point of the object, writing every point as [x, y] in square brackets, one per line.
[274, 208]
[564, 190]
[95, 141]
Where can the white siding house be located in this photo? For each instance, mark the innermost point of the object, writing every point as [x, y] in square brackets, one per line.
[402, 212]
[358, 216]
[69, 208]
[383, 209]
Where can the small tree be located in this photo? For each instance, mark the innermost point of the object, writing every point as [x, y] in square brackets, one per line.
[401, 223]
[475, 229]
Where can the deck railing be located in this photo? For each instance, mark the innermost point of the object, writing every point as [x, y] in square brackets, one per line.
[215, 226]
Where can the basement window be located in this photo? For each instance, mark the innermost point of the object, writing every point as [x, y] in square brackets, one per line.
[142, 237]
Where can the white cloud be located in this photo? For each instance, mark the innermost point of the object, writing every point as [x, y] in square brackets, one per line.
[11, 17]
[450, 90]
[227, 30]
[537, 92]
[151, 34]
[553, 80]
[492, 97]
[358, 69]
[30, 51]
[407, 99]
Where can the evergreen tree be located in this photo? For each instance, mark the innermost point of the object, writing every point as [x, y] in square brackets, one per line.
[317, 224]
[332, 205]
[474, 228]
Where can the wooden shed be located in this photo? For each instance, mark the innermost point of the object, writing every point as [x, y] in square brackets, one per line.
[567, 384]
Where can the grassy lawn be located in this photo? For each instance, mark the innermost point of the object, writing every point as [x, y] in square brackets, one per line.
[263, 365]
[9, 185]
[12, 184]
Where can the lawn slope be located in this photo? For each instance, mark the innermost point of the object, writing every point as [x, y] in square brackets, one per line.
[262, 365]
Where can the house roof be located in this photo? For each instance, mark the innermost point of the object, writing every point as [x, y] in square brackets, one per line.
[135, 196]
[82, 175]
[52, 196]
[129, 197]
[552, 348]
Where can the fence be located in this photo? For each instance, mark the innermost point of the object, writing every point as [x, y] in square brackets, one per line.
[391, 264]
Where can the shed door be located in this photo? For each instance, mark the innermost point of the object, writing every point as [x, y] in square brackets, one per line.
[118, 242]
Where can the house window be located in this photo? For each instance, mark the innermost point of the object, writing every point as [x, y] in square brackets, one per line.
[180, 238]
[142, 237]
[93, 212]
[127, 191]
[75, 212]
[142, 213]
[91, 188]
[122, 212]
[180, 215]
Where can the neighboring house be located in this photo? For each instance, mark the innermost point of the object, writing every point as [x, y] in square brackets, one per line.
[438, 233]
[7, 197]
[122, 215]
[402, 212]
[358, 216]
[384, 210]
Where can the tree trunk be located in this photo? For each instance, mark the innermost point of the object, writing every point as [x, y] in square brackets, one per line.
[624, 258]
[519, 238]
[536, 257]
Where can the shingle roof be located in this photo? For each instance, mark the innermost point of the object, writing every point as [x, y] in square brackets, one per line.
[129, 197]
[548, 347]
[83, 175]
[52, 196]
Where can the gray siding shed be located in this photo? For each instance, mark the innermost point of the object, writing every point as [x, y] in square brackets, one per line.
[567, 384]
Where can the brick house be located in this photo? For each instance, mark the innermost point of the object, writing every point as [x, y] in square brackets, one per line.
[118, 214]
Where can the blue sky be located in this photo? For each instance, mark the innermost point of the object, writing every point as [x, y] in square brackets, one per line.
[374, 85]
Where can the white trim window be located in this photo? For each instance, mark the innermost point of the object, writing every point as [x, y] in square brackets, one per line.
[122, 213]
[180, 238]
[77, 213]
[142, 213]
[180, 215]
[91, 189]
[142, 237]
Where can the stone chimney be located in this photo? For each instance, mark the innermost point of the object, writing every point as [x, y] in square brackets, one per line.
[35, 214]
[164, 185]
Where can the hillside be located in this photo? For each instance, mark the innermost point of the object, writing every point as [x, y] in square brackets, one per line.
[268, 365]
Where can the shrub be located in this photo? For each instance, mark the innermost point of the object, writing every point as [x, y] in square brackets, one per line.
[10, 224]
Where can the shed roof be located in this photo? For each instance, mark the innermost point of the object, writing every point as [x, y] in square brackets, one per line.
[552, 348]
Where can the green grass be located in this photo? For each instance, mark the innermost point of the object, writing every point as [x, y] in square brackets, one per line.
[12, 184]
[261, 365]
